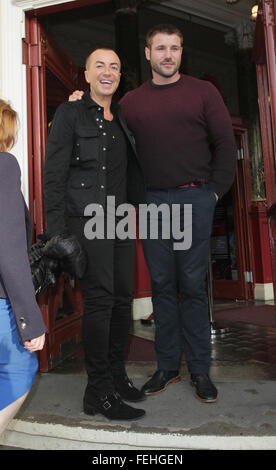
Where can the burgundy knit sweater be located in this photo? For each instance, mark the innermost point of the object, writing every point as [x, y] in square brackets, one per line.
[183, 133]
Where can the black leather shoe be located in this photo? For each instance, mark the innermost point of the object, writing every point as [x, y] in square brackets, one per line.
[159, 381]
[112, 407]
[205, 389]
[126, 389]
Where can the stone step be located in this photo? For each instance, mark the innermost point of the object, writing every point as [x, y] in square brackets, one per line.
[57, 436]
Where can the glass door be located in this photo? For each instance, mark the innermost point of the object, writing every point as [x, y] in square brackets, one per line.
[232, 266]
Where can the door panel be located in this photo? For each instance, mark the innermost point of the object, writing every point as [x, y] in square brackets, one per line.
[232, 263]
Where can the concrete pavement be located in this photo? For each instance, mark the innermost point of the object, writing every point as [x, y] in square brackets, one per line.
[243, 418]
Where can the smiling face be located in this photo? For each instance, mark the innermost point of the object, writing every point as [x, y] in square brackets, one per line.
[164, 54]
[103, 74]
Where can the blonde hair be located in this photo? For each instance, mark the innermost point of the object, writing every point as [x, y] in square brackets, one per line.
[8, 126]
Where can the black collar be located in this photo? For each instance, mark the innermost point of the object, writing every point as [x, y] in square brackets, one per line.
[90, 103]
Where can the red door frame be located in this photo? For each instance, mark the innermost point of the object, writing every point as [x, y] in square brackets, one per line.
[264, 56]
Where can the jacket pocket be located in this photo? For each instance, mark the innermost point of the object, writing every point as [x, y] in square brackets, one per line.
[81, 191]
[87, 145]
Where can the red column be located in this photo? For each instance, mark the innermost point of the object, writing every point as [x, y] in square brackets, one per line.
[270, 46]
[261, 244]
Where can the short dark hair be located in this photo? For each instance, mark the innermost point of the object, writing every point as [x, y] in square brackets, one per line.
[164, 28]
[95, 48]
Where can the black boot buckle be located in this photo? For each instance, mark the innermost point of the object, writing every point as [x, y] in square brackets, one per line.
[106, 405]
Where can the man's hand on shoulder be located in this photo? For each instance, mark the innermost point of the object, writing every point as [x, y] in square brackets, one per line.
[76, 95]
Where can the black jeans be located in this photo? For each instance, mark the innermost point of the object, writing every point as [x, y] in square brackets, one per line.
[107, 289]
[182, 273]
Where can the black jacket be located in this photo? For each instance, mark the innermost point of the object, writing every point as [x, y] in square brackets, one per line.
[75, 165]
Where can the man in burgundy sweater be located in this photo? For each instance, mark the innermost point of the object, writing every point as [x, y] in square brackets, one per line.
[176, 121]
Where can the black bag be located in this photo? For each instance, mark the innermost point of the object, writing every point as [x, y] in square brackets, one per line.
[67, 249]
[45, 271]
[51, 256]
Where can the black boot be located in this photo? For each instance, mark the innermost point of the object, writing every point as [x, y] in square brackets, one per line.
[112, 407]
[124, 386]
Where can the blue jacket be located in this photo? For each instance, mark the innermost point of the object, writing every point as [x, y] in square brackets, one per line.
[15, 239]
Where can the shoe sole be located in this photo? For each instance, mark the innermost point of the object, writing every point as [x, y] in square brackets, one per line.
[203, 400]
[92, 412]
[174, 380]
